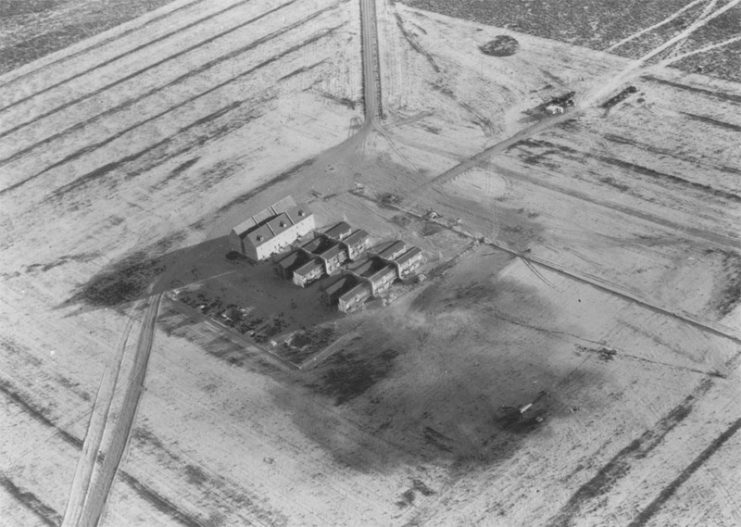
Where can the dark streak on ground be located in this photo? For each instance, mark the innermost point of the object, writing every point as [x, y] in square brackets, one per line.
[156, 154]
[38, 414]
[416, 46]
[190, 73]
[302, 69]
[29, 500]
[175, 172]
[618, 139]
[160, 503]
[128, 52]
[710, 93]
[620, 465]
[714, 122]
[646, 171]
[130, 102]
[669, 491]
[280, 178]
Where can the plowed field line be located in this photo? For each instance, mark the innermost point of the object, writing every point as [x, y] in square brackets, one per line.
[101, 43]
[126, 53]
[91, 148]
[145, 69]
[112, 165]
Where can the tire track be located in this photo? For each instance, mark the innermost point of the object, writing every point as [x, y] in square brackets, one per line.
[127, 53]
[113, 165]
[91, 148]
[650, 511]
[147, 68]
[709, 93]
[29, 500]
[101, 43]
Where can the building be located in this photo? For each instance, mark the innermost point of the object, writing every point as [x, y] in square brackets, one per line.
[356, 244]
[333, 258]
[381, 280]
[307, 273]
[409, 262]
[286, 266]
[392, 250]
[354, 298]
[272, 229]
[337, 287]
[338, 232]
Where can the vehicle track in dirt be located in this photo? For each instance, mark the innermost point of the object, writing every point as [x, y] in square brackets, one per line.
[95, 499]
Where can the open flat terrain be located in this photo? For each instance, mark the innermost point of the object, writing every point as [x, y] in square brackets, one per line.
[586, 263]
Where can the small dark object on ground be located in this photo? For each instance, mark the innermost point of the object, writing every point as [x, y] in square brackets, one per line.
[612, 101]
[501, 46]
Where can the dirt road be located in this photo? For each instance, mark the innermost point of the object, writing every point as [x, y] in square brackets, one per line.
[371, 65]
[95, 499]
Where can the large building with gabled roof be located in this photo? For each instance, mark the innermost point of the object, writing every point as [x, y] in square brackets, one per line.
[272, 229]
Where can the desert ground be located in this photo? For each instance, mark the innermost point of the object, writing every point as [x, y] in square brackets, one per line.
[570, 357]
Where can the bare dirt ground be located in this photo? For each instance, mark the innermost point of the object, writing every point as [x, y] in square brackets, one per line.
[598, 25]
[31, 29]
[588, 266]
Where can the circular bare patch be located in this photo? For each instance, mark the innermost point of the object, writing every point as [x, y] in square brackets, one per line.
[501, 46]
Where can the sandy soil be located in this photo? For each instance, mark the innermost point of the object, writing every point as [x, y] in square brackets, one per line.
[591, 268]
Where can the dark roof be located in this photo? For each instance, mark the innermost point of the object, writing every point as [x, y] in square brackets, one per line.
[339, 232]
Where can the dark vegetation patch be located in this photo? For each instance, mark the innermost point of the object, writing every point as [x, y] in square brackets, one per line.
[500, 46]
[28, 499]
[350, 372]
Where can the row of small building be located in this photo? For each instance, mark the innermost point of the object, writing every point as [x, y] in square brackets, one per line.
[367, 275]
